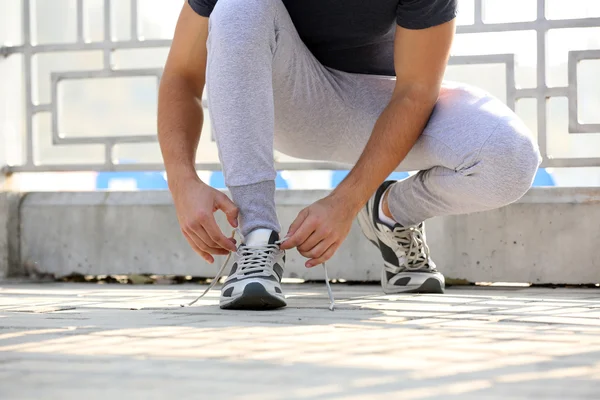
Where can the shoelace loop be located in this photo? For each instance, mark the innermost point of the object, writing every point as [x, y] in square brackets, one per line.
[254, 258]
[415, 248]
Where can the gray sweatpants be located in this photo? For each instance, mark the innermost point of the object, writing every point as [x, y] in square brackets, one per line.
[266, 90]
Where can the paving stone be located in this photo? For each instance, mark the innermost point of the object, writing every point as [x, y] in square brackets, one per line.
[562, 320]
[67, 341]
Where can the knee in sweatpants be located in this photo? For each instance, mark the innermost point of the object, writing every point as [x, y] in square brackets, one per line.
[510, 160]
[241, 22]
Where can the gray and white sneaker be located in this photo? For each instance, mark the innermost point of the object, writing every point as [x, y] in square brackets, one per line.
[407, 265]
[254, 282]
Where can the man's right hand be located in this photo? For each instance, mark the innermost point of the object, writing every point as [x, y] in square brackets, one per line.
[180, 120]
[196, 203]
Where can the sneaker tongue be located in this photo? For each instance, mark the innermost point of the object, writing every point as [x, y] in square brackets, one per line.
[261, 237]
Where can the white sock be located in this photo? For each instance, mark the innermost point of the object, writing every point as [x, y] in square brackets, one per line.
[258, 237]
[381, 216]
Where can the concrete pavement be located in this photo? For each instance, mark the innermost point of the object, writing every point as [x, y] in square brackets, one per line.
[73, 341]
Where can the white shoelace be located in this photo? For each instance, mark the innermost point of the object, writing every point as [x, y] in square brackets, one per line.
[417, 256]
[253, 259]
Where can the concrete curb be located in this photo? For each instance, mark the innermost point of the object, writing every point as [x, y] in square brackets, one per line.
[549, 236]
[10, 238]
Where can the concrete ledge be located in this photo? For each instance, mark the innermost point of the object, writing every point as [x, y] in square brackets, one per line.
[550, 236]
[9, 234]
[4, 235]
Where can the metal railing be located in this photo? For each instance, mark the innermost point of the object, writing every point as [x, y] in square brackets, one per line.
[541, 92]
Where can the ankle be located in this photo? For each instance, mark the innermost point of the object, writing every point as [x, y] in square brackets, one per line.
[385, 208]
[385, 215]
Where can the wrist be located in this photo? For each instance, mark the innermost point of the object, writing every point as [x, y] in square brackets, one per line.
[181, 177]
[348, 198]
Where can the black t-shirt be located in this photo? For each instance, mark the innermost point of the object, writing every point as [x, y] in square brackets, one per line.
[356, 35]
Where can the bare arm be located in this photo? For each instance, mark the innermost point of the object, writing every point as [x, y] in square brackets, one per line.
[180, 120]
[180, 114]
[420, 58]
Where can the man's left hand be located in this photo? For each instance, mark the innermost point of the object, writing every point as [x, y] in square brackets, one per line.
[319, 230]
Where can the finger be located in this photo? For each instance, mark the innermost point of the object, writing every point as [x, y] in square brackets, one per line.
[229, 208]
[196, 232]
[318, 250]
[326, 256]
[302, 215]
[213, 231]
[197, 249]
[308, 226]
[313, 240]
[206, 243]
[195, 242]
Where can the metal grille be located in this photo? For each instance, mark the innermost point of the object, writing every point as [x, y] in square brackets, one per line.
[541, 92]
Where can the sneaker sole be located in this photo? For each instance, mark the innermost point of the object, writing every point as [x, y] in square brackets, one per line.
[430, 286]
[254, 297]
